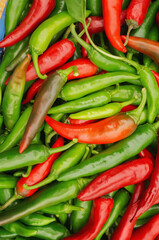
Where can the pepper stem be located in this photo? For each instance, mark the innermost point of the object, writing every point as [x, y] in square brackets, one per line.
[10, 201]
[64, 73]
[27, 172]
[130, 27]
[70, 208]
[124, 104]
[136, 113]
[63, 148]
[36, 65]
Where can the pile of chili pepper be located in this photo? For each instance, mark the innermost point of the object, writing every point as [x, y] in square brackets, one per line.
[79, 120]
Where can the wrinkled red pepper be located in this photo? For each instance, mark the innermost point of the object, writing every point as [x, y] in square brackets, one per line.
[113, 179]
[38, 12]
[125, 228]
[145, 46]
[99, 214]
[111, 15]
[148, 231]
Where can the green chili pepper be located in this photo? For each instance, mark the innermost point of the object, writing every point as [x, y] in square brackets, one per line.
[25, 11]
[150, 212]
[53, 231]
[153, 66]
[17, 132]
[7, 181]
[95, 6]
[9, 55]
[79, 88]
[144, 30]
[79, 218]
[121, 200]
[36, 219]
[18, 59]
[13, 11]
[130, 188]
[60, 7]
[1, 121]
[115, 155]
[48, 28]
[13, 94]
[101, 112]
[115, 51]
[69, 159]
[10, 160]
[57, 36]
[3, 137]
[125, 4]
[36, 139]
[141, 222]
[61, 208]
[5, 195]
[4, 234]
[63, 218]
[19, 229]
[153, 35]
[51, 195]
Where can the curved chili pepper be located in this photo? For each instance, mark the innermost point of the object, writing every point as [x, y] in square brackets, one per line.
[145, 46]
[37, 174]
[156, 75]
[80, 122]
[125, 227]
[38, 12]
[123, 175]
[99, 215]
[157, 18]
[44, 100]
[148, 231]
[111, 14]
[102, 132]
[146, 153]
[151, 195]
[37, 219]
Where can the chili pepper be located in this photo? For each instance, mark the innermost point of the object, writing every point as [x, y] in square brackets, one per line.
[130, 188]
[24, 12]
[33, 90]
[151, 195]
[38, 12]
[141, 222]
[128, 108]
[13, 11]
[112, 10]
[150, 212]
[93, 100]
[77, 89]
[157, 18]
[48, 29]
[105, 111]
[95, 6]
[121, 200]
[125, 227]
[148, 231]
[146, 153]
[53, 231]
[13, 94]
[60, 7]
[61, 208]
[36, 219]
[18, 59]
[146, 46]
[5, 194]
[80, 122]
[44, 100]
[117, 178]
[4, 234]
[102, 132]
[154, 35]
[7, 181]
[136, 14]
[96, 220]
[156, 75]
[9, 55]
[63, 218]
[144, 30]
[79, 218]
[19, 229]
[125, 4]
[69, 159]
[114, 155]
[49, 196]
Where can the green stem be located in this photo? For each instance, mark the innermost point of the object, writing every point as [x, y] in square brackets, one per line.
[10, 201]
[48, 137]
[86, 154]
[27, 172]
[66, 72]
[63, 148]
[129, 55]
[66, 34]
[128, 33]
[124, 104]
[36, 65]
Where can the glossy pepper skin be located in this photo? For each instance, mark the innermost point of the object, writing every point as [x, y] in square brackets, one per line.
[36, 219]
[111, 15]
[114, 155]
[49, 196]
[38, 12]
[7, 181]
[14, 10]
[60, 7]
[95, 6]
[100, 212]
[125, 228]
[148, 231]
[13, 94]
[145, 46]
[33, 90]
[123, 175]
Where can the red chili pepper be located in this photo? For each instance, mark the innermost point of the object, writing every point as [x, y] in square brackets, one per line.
[80, 122]
[128, 108]
[33, 90]
[123, 175]
[136, 13]
[145, 153]
[148, 231]
[39, 172]
[156, 75]
[145, 46]
[52, 58]
[151, 195]
[157, 18]
[111, 14]
[123, 16]
[39, 10]
[125, 228]
[99, 214]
